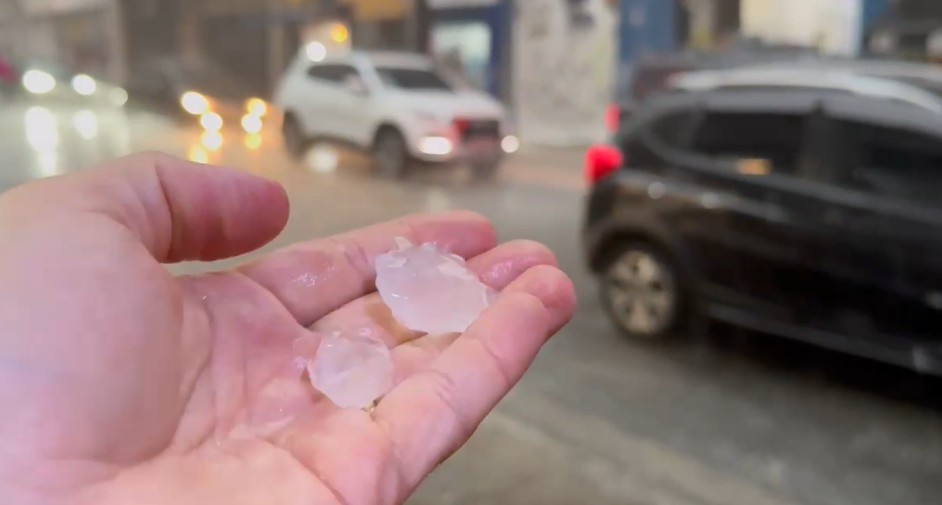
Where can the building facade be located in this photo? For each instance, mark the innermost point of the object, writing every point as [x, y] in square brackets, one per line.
[77, 34]
[565, 56]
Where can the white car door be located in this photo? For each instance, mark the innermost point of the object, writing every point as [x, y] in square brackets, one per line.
[327, 101]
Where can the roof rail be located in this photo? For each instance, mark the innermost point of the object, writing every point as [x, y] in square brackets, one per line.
[833, 80]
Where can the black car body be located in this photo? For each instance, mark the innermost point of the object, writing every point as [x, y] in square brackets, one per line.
[806, 208]
[651, 73]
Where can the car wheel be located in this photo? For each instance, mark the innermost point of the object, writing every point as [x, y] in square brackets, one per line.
[390, 154]
[295, 142]
[643, 292]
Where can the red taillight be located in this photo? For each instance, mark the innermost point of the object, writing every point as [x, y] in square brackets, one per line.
[600, 161]
[461, 125]
[612, 118]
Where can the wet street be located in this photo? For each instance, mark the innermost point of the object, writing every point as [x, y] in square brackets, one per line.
[731, 418]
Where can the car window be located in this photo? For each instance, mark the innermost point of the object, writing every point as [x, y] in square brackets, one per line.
[332, 73]
[644, 142]
[767, 141]
[672, 129]
[896, 163]
[411, 79]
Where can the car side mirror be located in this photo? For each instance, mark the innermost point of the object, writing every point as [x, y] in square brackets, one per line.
[354, 84]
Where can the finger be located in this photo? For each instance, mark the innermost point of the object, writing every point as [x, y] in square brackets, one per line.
[416, 355]
[432, 413]
[178, 210]
[496, 268]
[315, 278]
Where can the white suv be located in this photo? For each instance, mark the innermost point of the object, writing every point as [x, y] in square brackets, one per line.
[396, 106]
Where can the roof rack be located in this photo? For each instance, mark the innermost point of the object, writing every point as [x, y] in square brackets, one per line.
[830, 80]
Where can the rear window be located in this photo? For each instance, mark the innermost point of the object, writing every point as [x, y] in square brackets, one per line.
[896, 163]
[412, 79]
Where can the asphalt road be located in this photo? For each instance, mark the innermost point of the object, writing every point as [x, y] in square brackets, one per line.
[731, 418]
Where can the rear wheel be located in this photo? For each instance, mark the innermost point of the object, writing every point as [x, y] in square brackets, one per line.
[390, 153]
[295, 141]
[643, 292]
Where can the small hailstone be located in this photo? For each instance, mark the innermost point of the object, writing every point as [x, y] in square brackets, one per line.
[353, 371]
[429, 290]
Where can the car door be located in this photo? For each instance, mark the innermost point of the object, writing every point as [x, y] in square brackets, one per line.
[744, 151]
[886, 196]
[328, 102]
[359, 107]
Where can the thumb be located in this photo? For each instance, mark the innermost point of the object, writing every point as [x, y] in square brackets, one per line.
[178, 210]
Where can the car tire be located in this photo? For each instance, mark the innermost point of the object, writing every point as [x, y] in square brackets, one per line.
[644, 292]
[390, 154]
[295, 141]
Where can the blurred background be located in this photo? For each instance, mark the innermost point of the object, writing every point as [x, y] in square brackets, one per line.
[744, 192]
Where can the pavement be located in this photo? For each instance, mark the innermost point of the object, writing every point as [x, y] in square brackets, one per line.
[731, 418]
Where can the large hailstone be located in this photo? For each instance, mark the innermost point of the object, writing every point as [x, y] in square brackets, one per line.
[352, 370]
[429, 290]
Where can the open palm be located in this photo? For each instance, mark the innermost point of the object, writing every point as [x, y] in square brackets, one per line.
[120, 383]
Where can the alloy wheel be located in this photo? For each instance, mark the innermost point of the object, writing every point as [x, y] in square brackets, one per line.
[642, 293]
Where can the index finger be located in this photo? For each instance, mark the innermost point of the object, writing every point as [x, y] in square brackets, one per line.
[315, 278]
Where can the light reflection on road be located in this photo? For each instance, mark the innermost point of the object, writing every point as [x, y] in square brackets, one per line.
[42, 134]
[86, 124]
[322, 158]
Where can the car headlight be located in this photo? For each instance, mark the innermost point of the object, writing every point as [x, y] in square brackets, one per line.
[211, 122]
[251, 123]
[84, 85]
[194, 103]
[256, 107]
[38, 82]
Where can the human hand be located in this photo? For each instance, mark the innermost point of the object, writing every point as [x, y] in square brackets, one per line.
[120, 383]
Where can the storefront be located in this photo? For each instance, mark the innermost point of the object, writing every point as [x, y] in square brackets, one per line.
[834, 27]
[474, 36]
[565, 56]
[78, 34]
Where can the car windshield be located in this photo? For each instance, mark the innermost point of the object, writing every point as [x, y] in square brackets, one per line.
[412, 79]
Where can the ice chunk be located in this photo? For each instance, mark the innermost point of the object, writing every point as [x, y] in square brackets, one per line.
[430, 290]
[352, 371]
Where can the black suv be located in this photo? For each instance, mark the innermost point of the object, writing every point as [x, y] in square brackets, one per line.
[806, 206]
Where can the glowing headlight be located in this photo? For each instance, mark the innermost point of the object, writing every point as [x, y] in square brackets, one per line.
[194, 103]
[84, 84]
[256, 107]
[251, 123]
[435, 146]
[211, 122]
[38, 82]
